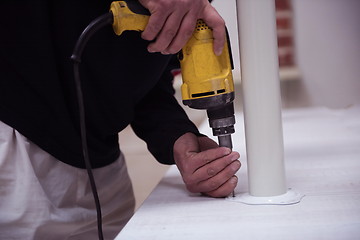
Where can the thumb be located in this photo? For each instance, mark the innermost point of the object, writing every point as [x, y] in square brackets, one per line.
[206, 143]
[186, 144]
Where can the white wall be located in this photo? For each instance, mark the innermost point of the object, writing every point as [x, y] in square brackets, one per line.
[328, 49]
[327, 39]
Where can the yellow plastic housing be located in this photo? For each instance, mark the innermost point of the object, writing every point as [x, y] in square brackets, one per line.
[125, 19]
[204, 74]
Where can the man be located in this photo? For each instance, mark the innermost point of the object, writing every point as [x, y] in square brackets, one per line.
[44, 190]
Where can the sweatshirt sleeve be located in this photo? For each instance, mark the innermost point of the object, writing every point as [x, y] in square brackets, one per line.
[160, 120]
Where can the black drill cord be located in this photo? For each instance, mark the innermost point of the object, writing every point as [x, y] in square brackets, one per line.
[92, 28]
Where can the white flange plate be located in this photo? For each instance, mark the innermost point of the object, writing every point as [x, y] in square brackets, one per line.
[290, 197]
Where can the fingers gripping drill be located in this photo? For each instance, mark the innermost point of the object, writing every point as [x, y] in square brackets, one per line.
[207, 78]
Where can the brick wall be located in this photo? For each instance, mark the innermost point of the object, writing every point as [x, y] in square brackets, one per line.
[284, 15]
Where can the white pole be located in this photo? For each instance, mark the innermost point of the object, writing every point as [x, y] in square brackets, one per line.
[261, 97]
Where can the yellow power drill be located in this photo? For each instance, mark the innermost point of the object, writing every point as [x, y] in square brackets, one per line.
[207, 78]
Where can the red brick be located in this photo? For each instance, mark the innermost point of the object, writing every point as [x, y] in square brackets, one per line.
[283, 23]
[285, 41]
[282, 4]
[286, 60]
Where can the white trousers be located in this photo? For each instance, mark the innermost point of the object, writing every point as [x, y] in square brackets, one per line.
[43, 198]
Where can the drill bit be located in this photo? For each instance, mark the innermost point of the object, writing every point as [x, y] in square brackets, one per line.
[225, 141]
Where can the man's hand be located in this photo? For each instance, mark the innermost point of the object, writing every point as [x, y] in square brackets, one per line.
[172, 23]
[205, 167]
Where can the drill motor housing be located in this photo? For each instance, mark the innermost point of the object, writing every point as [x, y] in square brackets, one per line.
[208, 81]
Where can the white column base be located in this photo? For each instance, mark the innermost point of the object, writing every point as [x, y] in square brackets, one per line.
[290, 197]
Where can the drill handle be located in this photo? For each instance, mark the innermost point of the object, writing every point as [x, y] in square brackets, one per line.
[129, 15]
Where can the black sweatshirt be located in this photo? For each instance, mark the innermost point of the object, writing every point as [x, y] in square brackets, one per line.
[122, 83]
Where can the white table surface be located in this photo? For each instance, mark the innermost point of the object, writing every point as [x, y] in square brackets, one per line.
[322, 157]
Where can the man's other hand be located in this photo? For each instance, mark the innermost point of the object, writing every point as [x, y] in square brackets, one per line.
[205, 167]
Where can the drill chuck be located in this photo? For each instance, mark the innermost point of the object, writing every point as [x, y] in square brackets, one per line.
[222, 121]
[223, 128]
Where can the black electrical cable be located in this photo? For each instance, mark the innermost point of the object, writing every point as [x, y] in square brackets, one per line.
[92, 28]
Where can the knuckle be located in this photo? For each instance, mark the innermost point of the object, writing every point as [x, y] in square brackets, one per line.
[223, 192]
[219, 26]
[154, 28]
[239, 164]
[236, 165]
[187, 169]
[188, 32]
[170, 33]
[189, 182]
[217, 194]
[221, 22]
[191, 188]
[213, 184]
[225, 189]
[173, 50]
[234, 182]
[185, 3]
[206, 160]
[211, 171]
[164, 5]
[229, 172]
[228, 160]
